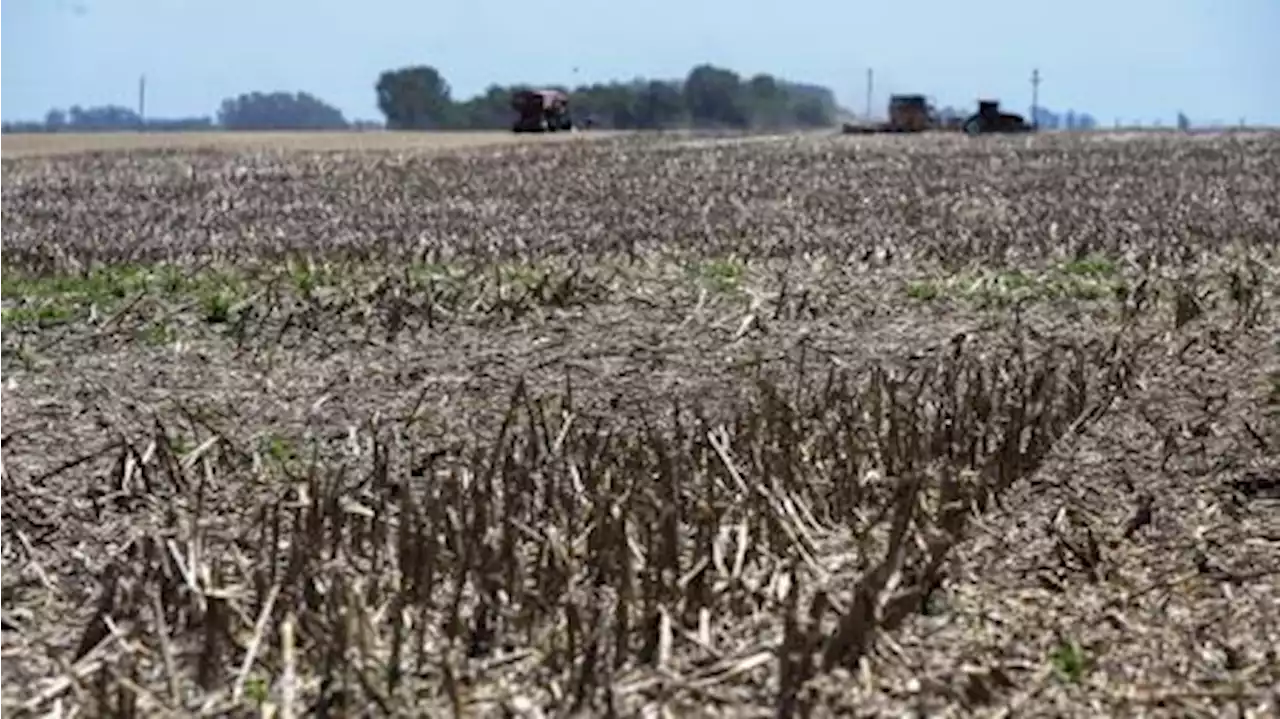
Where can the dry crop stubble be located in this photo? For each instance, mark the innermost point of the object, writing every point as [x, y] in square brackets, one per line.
[64, 143]
[728, 428]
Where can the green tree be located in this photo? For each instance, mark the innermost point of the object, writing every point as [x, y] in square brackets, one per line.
[415, 98]
[277, 111]
[489, 111]
[102, 118]
[658, 105]
[610, 105]
[812, 112]
[810, 105]
[55, 120]
[714, 97]
[709, 96]
[768, 102]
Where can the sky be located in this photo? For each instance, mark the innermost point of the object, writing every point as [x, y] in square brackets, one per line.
[1132, 60]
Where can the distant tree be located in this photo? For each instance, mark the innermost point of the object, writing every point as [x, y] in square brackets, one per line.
[107, 118]
[812, 111]
[768, 101]
[488, 111]
[710, 96]
[103, 118]
[658, 105]
[279, 111]
[612, 105]
[714, 97]
[1184, 122]
[1046, 119]
[811, 105]
[55, 120]
[415, 98]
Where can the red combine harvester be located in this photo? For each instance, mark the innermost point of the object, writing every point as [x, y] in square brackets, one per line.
[541, 111]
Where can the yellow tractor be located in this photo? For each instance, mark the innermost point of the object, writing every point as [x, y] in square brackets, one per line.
[910, 113]
[907, 113]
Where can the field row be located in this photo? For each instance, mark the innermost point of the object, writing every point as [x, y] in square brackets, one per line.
[965, 426]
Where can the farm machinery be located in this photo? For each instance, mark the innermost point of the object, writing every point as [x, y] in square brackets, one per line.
[907, 113]
[989, 118]
[541, 111]
[914, 113]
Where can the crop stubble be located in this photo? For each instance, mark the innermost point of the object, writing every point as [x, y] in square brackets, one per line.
[783, 427]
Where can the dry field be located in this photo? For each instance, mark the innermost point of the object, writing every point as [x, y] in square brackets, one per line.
[45, 145]
[933, 426]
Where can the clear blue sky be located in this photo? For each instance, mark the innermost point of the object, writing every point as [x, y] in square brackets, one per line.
[1133, 59]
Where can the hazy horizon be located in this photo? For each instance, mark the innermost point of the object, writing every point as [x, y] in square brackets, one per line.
[1139, 60]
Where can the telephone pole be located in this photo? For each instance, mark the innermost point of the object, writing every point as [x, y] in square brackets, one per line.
[870, 84]
[142, 100]
[1035, 98]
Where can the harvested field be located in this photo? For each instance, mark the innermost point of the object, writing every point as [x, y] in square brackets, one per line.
[67, 143]
[941, 425]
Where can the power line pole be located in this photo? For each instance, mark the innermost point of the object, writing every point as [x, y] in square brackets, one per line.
[142, 100]
[870, 84]
[1035, 98]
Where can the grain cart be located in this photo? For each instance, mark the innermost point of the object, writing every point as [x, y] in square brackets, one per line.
[541, 111]
[989, 119]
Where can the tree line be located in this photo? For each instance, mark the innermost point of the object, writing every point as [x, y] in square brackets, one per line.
[250, 111]
[420, 98]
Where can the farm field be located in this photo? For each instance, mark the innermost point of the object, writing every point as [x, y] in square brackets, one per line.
[44, 145]
[799, 427]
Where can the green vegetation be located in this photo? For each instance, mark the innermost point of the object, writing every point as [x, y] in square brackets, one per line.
[41, 301]
[257, 690]
[418, 97]
[279, 448]
[720, 275]
[1069, 661]
[1094, 266]
[1087, 279]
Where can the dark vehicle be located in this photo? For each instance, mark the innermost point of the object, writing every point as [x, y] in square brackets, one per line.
[541, 111]
[914, 113]
[989, 119]
[907, 113]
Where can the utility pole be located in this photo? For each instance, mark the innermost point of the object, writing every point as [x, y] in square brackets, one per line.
[870, 84]
[1035, 98]
[142, 101]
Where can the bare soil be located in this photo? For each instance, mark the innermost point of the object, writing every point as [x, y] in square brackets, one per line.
[797, 426]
